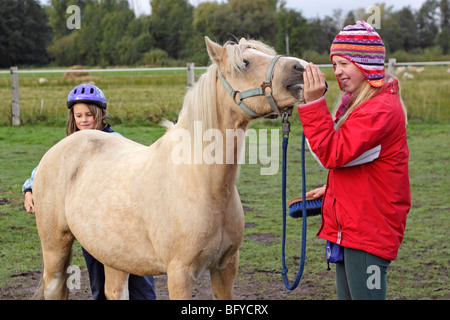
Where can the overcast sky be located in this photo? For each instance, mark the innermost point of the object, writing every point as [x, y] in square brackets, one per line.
[322, 8]
[310, 8]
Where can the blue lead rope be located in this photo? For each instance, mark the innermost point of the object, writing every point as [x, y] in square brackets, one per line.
[284, 271]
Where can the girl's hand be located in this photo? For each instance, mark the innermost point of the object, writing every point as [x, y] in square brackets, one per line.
[316, 193]
[314, 83]
[29, 203]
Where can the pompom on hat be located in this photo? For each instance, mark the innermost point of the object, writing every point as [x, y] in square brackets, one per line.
[363, 46]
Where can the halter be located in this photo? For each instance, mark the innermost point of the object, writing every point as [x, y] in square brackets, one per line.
[264, 90]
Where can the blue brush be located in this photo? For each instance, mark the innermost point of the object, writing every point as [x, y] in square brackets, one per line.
[313, 207]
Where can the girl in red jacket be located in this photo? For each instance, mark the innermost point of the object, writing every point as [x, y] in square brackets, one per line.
[367, 194]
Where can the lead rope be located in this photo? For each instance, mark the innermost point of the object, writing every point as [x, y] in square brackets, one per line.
[284, 271]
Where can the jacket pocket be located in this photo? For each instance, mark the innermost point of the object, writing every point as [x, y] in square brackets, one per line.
[324, 198]
[337, 222]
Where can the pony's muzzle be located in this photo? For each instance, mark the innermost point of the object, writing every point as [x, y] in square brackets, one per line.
[294, 81]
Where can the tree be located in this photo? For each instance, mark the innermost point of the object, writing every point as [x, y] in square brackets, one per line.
[350, 19]
[204, 17]
[291, 23]
[89, 37]
[113, 24]
[171, 25]
[226, 24]
[57, 12]
[399, 31]
[24, 33]
[427, 23]
[255, 18]
[110, 33]
[322, 34]
[136, 41]
[444, 35]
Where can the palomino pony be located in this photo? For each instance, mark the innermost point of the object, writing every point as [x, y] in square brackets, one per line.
[137, 210]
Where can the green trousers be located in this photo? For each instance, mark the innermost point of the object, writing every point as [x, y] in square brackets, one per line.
[361, 276]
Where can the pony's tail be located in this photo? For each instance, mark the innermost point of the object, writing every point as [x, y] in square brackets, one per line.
[167, 124]
[39, 293]
[63, 290]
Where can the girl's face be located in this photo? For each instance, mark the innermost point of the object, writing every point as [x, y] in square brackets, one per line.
[348, 74]
[84, 119]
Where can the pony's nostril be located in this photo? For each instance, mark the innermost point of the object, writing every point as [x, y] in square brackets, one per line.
[298, 68]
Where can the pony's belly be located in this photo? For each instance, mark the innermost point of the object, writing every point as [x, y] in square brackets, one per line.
[118, 243]
[138, 260]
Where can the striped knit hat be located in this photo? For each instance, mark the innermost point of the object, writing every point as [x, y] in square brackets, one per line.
[363, 46]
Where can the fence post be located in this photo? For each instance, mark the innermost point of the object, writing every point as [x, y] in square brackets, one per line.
[391, 66]
[15, 104]
[190, 74]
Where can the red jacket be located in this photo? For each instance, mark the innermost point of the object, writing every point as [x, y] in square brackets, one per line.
[367, 194]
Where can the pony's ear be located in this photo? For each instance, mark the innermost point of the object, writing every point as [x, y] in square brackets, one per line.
[215, 51]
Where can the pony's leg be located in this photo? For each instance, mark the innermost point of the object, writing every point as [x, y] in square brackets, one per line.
[222, 280]
[116, 284]
[56, 256]
[179, 282]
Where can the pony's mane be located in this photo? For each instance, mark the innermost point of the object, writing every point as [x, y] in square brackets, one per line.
[200, 100]
[200, 103]
[234, 51]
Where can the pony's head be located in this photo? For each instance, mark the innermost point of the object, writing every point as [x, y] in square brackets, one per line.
[258, 81]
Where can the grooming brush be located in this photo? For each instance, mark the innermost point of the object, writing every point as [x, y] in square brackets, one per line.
[313, 207]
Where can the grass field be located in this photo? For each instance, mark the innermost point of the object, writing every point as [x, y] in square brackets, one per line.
[137, 102]
[144, 98]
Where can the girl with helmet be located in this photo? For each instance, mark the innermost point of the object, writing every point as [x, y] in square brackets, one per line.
[87, 110]
[367, 195]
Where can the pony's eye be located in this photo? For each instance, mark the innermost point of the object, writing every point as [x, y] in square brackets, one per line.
[246, 63]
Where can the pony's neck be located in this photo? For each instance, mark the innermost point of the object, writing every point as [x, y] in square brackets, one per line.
[208, 105]
[232, 126]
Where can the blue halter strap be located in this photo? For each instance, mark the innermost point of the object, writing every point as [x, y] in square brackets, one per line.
[264, 90]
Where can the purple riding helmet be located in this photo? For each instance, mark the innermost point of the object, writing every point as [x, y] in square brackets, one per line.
[86, 93]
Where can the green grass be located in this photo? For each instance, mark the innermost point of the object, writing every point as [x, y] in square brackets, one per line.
[144, 98]
[420, 272]
[137, 98]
